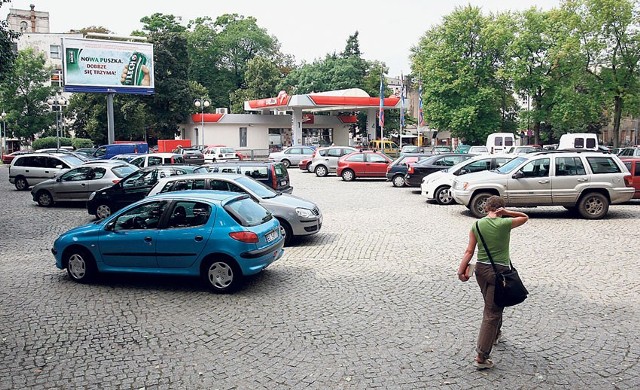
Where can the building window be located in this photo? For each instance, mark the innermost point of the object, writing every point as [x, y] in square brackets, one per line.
[54, 51]
[56, 78]
[243, 137]
[23, 26]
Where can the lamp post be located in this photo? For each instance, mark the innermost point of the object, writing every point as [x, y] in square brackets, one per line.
[201, 103]
[57, 103]
[3, 133]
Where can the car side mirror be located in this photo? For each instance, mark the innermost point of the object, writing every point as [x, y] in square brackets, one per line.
[110, 226]
[518, 175]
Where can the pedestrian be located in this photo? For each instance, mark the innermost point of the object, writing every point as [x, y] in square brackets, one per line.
[496, 231]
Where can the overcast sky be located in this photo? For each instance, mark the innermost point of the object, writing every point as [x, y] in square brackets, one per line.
[308, 30]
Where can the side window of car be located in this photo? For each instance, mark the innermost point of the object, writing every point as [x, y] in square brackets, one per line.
[603, 165]
[218, 185]
[323, 152]
[356, 157]
[145, 216]
[333, 152]
[569, 166]
[153, 160]
[76, 174]
[97, 173]
[189, 214]
[536, 168]
[376, 158]
[198, 184]
[138, 162]
[134, 180]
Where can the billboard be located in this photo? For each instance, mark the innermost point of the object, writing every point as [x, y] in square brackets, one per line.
[95, 65]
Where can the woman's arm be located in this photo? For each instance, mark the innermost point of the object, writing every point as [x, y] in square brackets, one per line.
[466, 258]
[517, 218]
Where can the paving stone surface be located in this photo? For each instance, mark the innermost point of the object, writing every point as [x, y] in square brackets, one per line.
[372, 301]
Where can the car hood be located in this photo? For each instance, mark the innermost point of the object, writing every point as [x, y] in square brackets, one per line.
[290, 200]
[484, 176]
[434, 176]
[82, 230]
[45, 183]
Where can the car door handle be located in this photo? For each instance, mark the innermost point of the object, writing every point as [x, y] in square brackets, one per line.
[199, 238]
[543, 181]
[583, 179]
[148, 239]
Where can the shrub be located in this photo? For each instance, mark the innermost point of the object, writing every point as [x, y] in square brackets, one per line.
[50, 142]
[81, 143]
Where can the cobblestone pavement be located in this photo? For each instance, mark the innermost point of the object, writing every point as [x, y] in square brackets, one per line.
[372, 301]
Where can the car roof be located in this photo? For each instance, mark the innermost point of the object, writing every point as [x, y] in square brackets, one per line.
[210, 175]
[206, 195]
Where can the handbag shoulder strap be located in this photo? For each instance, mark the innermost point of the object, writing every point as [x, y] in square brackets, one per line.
[484, 244]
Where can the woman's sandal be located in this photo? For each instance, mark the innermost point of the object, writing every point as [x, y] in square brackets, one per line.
[487, 363]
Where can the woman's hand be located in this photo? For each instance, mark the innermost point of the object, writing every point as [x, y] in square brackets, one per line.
[463, 277]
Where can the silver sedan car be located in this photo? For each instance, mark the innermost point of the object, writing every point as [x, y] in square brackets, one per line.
[75, 185]
[297, 216]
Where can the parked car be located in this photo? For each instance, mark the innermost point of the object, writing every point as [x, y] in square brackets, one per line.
[633, 165]
[125, 157]
[436, 186]
[77, 184]
[478, 150]
[413, 149]
[326, 159]
[586, 181]
[437, 162]
[220, 153]
[87, 152]
[298, 217]
[398, 168]
[440, 149]
[7, 158]
[191, 155]
[304, 164]
[271, 174]
[220, 237]
[387, 147]
[105, 201]
[30, 169]
[363, 164]
[148, 160]
[292, 155]
[629, 152]
[108, 151]
[523, 149]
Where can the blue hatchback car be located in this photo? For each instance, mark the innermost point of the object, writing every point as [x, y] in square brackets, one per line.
[218, 236]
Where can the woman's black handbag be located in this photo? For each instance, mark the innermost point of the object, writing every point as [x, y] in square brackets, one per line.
[509, 289]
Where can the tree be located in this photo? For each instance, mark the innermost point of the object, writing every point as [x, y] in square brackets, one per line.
[459, 63]
[608, 30]
[161, 23]
[262, 77]
[7, 38]
[25, 92]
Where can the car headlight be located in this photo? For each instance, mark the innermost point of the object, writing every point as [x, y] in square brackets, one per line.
[304, 213]
[93, 194]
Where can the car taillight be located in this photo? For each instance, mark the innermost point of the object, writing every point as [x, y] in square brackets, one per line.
[274, 178]
[314, 154]
[628, 180]
[410, 169]
[246, 237]
[115, 181]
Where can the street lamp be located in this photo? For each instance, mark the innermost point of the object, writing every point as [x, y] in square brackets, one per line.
[57, 103]
[201, 103]
[3, 133]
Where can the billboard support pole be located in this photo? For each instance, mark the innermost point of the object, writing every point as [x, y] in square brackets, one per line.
[110, 128]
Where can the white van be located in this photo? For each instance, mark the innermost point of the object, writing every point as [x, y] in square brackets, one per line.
[578, 141]
[500, 142]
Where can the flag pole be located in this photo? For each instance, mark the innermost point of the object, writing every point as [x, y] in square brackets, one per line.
[381, 110]
[402, 93]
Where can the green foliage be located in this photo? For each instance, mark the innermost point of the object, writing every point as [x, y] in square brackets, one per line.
[161, 23]
[262, 77]
[461, 63]
[79, 143]
[50, 142]
[24, 94]
[7, 38]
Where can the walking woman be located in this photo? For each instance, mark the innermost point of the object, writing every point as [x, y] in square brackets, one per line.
[496, 231]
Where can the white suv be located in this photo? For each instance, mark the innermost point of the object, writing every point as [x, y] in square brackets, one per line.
[30, 169]
[584, 181]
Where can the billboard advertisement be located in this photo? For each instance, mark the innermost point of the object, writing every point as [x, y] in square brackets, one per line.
[96, 65]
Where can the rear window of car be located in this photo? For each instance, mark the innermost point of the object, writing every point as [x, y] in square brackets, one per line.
[280, 170]
[603, 165]
[227, 150]
[254, 172]
[248, 212]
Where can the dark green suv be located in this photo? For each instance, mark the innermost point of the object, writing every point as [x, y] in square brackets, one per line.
[272, 174]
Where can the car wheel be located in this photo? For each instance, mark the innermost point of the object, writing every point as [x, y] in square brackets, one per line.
[348, 175]
[80, 265]
[593, 205]
[398, 181]
[477, 204]
[44, 198]
[21, 184]
[103, 211]
[321, 170]
[221, 275]
[286, 163]
[443, 195]
[286, 231]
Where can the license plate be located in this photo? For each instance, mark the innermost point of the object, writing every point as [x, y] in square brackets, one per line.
[283, 183]
[272, 235]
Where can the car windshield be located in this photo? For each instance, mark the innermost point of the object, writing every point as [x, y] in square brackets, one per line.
[71, 160]
[123, 170]
[247, 212]
[227, 150]
[257, 188]
[511, 165]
